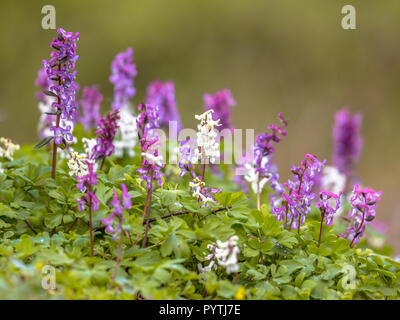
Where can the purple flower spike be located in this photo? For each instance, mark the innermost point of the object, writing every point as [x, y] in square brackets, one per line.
[117, 212]
[60, 72]
[107, 129]
[126, 197]
[328, 205]
[363, 212]
[162, 94]
[295, 202]
[85, 184]
[90, 103]
[123, 70]
[347, 141]
[152, 161]
[221, 102]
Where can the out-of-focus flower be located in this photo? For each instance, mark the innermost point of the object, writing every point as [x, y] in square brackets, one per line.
[186, 155]
[162, 94]
[90, 103]
[123, 70]
[107, 129]
[332, 180]
[220, 102]
[128, 133]
[7, 148]
[347, 141]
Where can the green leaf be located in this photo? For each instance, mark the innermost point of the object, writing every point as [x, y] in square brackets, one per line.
[43, 142]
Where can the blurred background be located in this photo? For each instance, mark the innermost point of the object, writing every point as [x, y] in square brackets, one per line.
[290, 56]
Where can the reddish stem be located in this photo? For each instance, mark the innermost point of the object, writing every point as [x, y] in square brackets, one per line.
[320, 228]
[118, 259]
[53, 168]
[90, 221]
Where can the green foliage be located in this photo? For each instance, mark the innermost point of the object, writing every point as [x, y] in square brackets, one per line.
[40, 225]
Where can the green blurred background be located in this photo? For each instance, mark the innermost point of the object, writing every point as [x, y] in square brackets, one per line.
[290, 56]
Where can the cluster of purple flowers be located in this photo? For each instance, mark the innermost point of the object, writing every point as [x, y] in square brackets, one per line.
[186, 153]
[221, 102]
[85, 184]
[363, 203]
[107, 129]
[123, 70]
[59, 70]
[151, 159]
[296, 200]
[162, 94]
[119, 204]
[90, 103]
[347, 141]
[263, 147]
[328, 205]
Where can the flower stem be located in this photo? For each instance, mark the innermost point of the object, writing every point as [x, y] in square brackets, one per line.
[147, 220]
[90, 222]
[258, 193]
[53, 165]
[203, 174]
[102, 163]
[320, 229]
[118, 260]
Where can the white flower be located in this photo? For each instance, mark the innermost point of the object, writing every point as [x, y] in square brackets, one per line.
[252, 176]
[153, 159]
[226, 254]
[128, 133]
[197, 185]
[208, 147]
[77, 165]
[332, 180]
[7, 148]
[89, 144]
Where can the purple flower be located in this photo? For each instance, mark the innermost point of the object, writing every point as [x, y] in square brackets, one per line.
[186, 153]
[152, 161]
[107, 129]
[59, 69]
[118, 210]
[328, 205]
[123, 70]
[264, 145]
[163, 95]
[295, 202]
[347, 140]
[85, 184]
[90, 104]
[126, 197]
[363, 211]
[220, 102]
